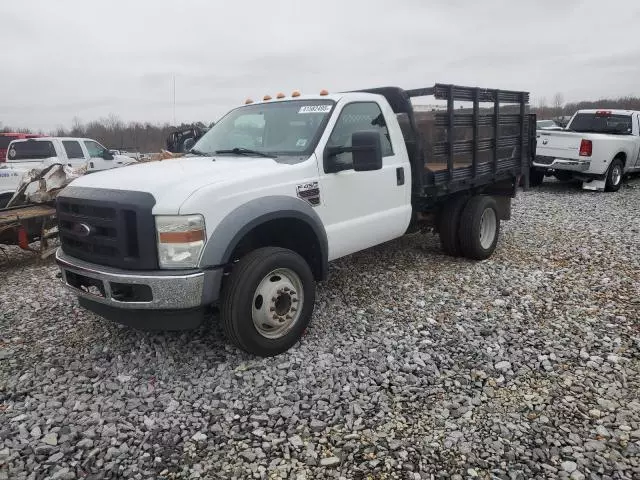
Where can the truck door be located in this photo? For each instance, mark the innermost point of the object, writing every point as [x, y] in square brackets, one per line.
[74, 152]
[362, 209]
[98, 156]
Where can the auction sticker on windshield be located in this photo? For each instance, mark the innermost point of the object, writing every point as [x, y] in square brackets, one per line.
[315, 109]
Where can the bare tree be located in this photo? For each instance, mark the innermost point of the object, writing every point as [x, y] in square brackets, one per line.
[558, 104]
[77, 129]
[542, 109]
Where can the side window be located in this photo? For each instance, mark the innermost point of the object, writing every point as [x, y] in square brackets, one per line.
[357, 117]
[95, 149]
[73, 149]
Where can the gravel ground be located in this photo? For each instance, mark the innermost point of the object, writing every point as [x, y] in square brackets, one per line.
[416, 366]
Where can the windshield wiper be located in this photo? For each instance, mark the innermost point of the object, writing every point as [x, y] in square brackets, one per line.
[246, 151]
[199, 153]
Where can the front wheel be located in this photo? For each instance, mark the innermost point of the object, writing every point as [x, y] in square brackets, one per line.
[614, 176]
[268, 301]
[479, 228]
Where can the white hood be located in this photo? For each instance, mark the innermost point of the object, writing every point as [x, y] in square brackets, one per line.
[174, 180]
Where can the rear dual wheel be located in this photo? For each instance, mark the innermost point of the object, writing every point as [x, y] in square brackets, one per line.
[470, 228]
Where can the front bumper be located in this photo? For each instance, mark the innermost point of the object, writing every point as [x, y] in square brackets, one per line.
[140, 290]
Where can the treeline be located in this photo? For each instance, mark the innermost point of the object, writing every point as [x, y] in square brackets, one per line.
[148, 137]
[559, 109]
[116, 134]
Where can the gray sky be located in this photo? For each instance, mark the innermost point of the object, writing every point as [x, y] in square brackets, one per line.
[89, 59]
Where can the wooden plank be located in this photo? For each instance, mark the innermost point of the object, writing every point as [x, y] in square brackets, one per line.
[11, 215]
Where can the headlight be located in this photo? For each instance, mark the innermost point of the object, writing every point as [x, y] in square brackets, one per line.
[180, 240]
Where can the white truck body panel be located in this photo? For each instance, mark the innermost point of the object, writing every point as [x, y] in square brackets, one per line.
[9, 181]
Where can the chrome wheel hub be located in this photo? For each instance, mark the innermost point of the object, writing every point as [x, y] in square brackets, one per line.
[616, 175]
[488, 223]
[277, 303]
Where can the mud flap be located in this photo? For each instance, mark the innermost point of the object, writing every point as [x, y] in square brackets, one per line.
[595, 185]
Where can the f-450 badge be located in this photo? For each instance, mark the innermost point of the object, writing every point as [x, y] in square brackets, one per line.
[309, 192]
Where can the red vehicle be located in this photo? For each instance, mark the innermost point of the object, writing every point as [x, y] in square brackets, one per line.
[7, 138]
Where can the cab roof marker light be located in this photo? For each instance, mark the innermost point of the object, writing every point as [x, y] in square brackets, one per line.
[266, 98]
[280, 95]
[248, 101]
[295, 93]
[324, 92]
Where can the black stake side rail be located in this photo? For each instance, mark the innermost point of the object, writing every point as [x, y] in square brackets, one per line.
[502, 166]
[452, 119]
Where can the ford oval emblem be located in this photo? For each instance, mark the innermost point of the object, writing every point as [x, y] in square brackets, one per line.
[82, 229]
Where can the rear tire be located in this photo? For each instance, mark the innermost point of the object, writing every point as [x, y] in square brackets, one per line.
[479, 228]
[614, 176]
[536, 177]
[448, 225]
[268, 300]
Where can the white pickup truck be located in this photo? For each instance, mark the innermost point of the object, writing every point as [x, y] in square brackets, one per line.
[26, 154]
[598, 147]
[249, 219]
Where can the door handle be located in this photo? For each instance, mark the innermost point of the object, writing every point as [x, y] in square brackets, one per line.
[400, 175]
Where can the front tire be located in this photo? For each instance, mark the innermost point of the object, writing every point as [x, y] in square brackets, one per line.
[614, 176]
[268, 301]
[479, 228]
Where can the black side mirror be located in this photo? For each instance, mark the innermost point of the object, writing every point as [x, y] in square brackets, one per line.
[366, 148]
[367, 151]
[107, 155]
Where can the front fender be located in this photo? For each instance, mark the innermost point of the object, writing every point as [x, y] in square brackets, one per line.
[228, 233]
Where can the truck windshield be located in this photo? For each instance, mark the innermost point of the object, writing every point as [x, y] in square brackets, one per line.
[31, 150]
[546, 123]
[601, 123]
[282, 128]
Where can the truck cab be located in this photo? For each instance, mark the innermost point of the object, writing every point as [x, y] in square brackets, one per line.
[249, 219]
[69, 151]
[7, 137]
